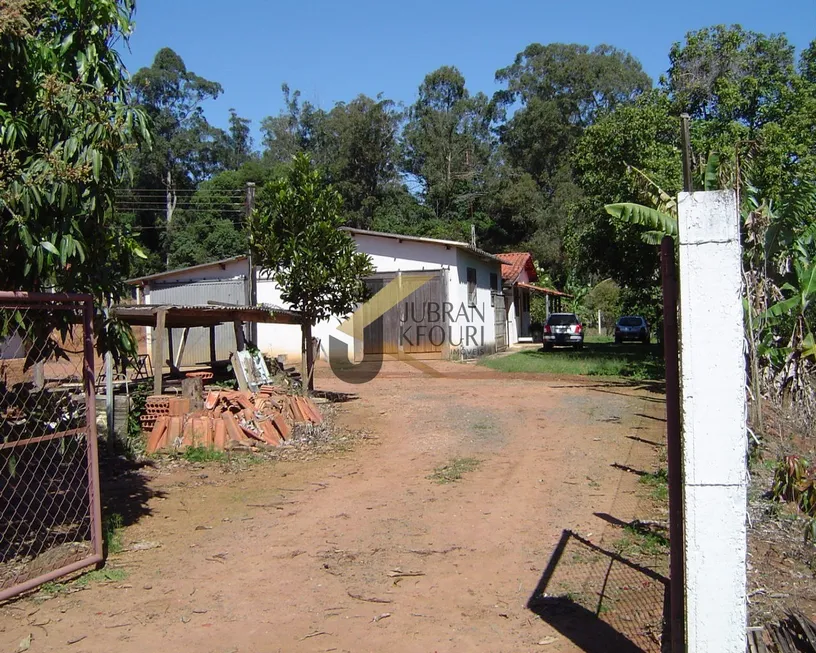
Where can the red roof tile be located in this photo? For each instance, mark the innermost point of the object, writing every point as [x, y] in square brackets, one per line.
[514, 262]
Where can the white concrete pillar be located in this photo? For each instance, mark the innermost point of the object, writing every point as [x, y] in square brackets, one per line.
[713, 418]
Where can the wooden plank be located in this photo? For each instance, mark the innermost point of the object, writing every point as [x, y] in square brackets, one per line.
[238, 370]
[180, 354]
[213, 352]
[240, 343]
[158, 351]
[373, 333]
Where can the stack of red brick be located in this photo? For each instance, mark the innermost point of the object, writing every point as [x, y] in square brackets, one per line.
[162, 406]
[229, 419]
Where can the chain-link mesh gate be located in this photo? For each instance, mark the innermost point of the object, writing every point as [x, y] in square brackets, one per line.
[49, 476]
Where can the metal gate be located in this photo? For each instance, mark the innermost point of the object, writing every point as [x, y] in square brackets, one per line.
[197, 348]
[500, 320]
[50, 522]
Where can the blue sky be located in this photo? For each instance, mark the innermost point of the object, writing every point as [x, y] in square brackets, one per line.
[334, 50]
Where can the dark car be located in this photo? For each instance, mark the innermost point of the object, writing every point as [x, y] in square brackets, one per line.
[632, 327]
[563, 329]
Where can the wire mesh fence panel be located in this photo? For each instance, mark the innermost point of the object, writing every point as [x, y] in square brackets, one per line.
[49, 487]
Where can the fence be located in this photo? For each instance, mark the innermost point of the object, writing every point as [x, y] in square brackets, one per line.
[49, 476]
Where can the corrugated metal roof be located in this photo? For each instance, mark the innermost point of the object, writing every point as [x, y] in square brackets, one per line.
[432, 241]
[169, 273]
[192, 316]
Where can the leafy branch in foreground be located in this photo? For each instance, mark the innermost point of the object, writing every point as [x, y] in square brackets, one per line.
[65, 128]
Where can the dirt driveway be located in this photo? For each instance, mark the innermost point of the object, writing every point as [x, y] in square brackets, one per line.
[361, 551]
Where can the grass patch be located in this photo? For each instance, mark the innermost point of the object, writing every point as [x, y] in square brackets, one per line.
[658, 484]
[112, 533]
[203, 455]
[100, 576]
[453, 470]
[641, 540]
[106, 575]
[599, 357]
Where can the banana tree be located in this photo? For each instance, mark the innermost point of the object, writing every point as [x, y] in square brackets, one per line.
[800, 351]
[660, 219]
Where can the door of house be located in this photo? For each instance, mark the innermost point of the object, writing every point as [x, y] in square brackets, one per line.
[524, 322]
[500, 320]
[414, 326]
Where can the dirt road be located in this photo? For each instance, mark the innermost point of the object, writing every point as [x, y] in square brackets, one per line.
[361, 551]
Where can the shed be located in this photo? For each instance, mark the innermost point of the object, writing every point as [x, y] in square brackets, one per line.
[186, 318]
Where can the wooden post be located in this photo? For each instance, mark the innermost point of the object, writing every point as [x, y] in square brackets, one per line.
[109, 406]
[182, 345]
[158, 351]
[547, 304]
[193, 388]
[240, 343]
[249, 205]
[171, 354]
[213, 351]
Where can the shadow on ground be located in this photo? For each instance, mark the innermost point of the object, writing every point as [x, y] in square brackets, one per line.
[125, 489]
[599, 600]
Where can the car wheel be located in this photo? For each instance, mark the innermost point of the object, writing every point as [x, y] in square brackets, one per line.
[647, 341]
[547, 347]
[618, 341]
[580, 345]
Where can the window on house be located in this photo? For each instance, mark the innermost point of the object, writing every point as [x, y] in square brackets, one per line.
[494, 288]
[471, 281]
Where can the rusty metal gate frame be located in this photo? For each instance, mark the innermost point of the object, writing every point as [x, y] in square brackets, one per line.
[56, 302]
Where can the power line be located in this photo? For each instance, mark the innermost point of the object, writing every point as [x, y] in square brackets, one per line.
[180, 191]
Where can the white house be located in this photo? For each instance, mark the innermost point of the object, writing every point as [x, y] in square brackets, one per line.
[518, 278]
[459, 312]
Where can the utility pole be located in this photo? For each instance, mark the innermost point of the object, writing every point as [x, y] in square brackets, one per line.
[249, 205]
[170, 207]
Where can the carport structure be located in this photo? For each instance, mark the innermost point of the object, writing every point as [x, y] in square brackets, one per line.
[165, 317]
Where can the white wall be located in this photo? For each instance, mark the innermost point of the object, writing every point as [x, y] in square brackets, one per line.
[392, 255]
[482, 317]
[513, 326]
[277, 339]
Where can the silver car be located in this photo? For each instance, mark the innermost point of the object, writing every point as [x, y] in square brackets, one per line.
[563, 329]
[632, 327]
